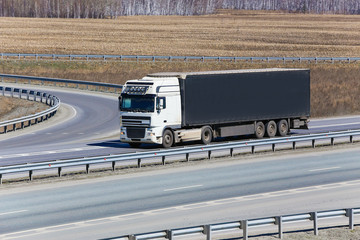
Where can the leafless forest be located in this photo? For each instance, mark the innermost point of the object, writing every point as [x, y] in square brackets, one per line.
[114, 8]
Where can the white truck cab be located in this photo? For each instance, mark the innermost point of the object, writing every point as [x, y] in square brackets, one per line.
[148, 107]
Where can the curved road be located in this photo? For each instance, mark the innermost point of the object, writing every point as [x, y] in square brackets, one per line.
[93, 129]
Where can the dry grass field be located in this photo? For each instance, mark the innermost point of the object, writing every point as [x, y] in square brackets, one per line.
[228, 33]
[335, 88]
[11, 108]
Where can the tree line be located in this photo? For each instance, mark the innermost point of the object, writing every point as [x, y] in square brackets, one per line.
[114, 8]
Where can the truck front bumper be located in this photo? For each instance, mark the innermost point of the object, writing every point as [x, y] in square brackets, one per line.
[150, 136]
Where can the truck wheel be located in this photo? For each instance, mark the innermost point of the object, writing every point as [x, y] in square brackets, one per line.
[206, 135]
[134, 144]
[271, 129]
[168, 138]
[259, 130]
[282, 128]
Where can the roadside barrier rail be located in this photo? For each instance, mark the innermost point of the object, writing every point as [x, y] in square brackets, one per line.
[30, 95]
[154, 58]
[245, 225]
[67, 82]
[164, 153]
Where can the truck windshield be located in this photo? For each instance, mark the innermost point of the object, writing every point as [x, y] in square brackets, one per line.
[138, 103]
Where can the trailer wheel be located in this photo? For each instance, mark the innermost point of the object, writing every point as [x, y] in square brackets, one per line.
[206, 135]
[282, 128]
[259, 130]
[271, 129]
[168, 138]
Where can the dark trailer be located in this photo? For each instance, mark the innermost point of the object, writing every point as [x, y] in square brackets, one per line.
[226, 100]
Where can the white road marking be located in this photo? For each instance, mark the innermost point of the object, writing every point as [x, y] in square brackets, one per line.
[187, 207]
[13, 212]
[323, 169]
[334, 125]
[49, 152]
[181, 188]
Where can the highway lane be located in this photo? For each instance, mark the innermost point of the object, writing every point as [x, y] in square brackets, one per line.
[93, 129]
[214, 192]
[93, 120]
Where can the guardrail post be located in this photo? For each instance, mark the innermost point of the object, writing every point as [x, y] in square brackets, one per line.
[87, 168]
[273, 147]
[139, 163]
[351, 139]
[59, 171]
[188, 157]
[350, 215]
[314, 217]
[332, 141]
[294, 145]
[169, 235]
[30, 175]
[1, 179]
[207, 232]
[113, 165]
[209, 154]
[252, 149]
[313, 143]
[244, 227]
[231, 152]
[163, 160]
[279, 223]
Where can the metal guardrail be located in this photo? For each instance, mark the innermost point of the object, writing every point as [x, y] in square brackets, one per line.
[154, 58]
[66, 82]
[244, 225]
[30, 95]
[163, 153]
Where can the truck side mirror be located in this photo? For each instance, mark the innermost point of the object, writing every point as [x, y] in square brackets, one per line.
[120, 102]
[160, 103]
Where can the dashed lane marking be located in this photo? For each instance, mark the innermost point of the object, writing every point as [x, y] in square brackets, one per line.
[323, 169]
[89, 223]
[182, 188]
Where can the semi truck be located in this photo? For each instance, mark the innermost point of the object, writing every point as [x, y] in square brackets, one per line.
[170, 108]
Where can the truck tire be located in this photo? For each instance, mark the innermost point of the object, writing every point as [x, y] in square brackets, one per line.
[134, 144]
[259, 130]
[282, 128]
[168, 138]
[271, 129]
[206, 135]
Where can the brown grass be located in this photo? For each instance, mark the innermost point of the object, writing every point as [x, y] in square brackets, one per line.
[229, 33]
[11, 108]
[334, 88]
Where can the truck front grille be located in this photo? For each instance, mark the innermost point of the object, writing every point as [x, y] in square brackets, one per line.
[133, 132]
[128, 121]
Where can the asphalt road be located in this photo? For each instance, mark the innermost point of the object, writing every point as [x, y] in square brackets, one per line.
[185, 196]
[90, 127]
